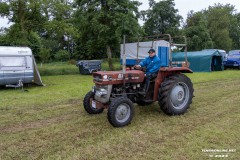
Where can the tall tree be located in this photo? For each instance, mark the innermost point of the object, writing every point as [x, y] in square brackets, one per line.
[162, 17]
[197, 32]
[102, 23]
[58, 31]
[26, 19]
[235, 30]
[33, 20]
[218, 17]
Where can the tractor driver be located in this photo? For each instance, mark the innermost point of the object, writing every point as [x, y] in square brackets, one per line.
[152, 64]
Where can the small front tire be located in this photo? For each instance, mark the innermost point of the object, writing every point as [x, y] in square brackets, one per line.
[87, 105]
[120, 112]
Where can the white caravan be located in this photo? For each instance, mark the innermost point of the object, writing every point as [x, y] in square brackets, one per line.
[17, 66]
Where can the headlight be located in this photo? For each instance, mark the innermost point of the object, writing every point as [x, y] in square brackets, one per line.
[101, 92]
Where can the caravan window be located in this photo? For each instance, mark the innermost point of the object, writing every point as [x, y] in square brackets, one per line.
[12, 62]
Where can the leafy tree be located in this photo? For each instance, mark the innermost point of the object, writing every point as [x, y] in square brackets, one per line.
[197, 32]
[218, 18]
[162, 17]
[235, 30]
[26, 14]
[49, 19]
[27, 20]
[59, 26]
[4, 8]
[45, 55]
[34, 42]
[62, 55]
[15, 37]
[102, 23]
[222, 25]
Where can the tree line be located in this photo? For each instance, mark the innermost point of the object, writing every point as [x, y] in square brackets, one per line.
[58, 30]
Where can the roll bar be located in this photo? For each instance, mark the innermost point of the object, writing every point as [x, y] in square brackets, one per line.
[170, 39]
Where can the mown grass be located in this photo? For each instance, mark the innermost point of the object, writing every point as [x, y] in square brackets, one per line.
[50, 123]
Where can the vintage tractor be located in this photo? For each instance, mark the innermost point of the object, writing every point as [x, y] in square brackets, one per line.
[117, 91]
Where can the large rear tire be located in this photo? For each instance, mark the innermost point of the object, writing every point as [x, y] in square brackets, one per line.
[88, 106]
[120, 112]
[175, 94]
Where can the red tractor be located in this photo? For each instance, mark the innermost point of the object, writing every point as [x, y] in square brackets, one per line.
[117, 91]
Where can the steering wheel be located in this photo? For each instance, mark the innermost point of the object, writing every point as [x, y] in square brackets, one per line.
[139, 68]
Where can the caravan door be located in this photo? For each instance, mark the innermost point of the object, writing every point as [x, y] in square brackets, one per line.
[13, 68]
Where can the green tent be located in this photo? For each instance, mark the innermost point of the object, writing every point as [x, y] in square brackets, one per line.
[201, 61]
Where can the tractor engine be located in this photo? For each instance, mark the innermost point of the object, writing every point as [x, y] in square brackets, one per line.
[109, 84]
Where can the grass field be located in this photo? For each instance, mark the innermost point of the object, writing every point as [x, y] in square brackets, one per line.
[66, 68]
[50, 123]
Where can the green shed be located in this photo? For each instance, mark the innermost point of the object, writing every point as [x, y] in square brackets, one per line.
[201, 61]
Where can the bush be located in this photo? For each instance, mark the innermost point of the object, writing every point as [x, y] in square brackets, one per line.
[44, 54]
[62, 55]
[72, 61]
[34, 42]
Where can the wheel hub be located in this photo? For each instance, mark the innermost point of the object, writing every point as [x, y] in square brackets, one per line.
[122, 112]
[179, 95]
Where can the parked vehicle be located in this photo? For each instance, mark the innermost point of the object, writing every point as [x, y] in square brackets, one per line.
[89, 66]
[16, 65]
[234, 52]
[233, 59]
[118, 90]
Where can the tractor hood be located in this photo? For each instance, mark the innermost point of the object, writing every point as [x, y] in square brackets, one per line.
[116, 77]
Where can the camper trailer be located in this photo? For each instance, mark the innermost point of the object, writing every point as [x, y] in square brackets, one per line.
[16, 65]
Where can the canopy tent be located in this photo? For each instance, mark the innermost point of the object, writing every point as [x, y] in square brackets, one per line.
[201, 61]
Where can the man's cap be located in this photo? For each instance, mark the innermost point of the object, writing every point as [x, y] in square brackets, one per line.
[151, 50]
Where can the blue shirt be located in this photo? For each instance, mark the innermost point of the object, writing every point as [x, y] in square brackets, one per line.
[152, 64]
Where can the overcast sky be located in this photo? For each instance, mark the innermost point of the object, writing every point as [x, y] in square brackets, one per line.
[183, 6]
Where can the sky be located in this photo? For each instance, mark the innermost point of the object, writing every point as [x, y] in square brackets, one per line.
[183, 6]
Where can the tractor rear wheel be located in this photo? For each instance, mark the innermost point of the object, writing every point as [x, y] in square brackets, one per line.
[88, 106]
[175, 94]
[120, 112]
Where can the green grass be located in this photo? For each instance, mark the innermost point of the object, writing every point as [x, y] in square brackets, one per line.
[57, 68]
[65, 68]
[50, 123]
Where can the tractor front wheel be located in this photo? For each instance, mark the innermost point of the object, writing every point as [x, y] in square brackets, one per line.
[120, 112]
[88, 106]
[175, 94]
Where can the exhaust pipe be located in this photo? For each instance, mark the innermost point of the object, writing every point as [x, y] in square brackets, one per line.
[124, 61]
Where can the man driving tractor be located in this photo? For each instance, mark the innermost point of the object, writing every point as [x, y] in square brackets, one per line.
[152, 64]
[117, 91]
